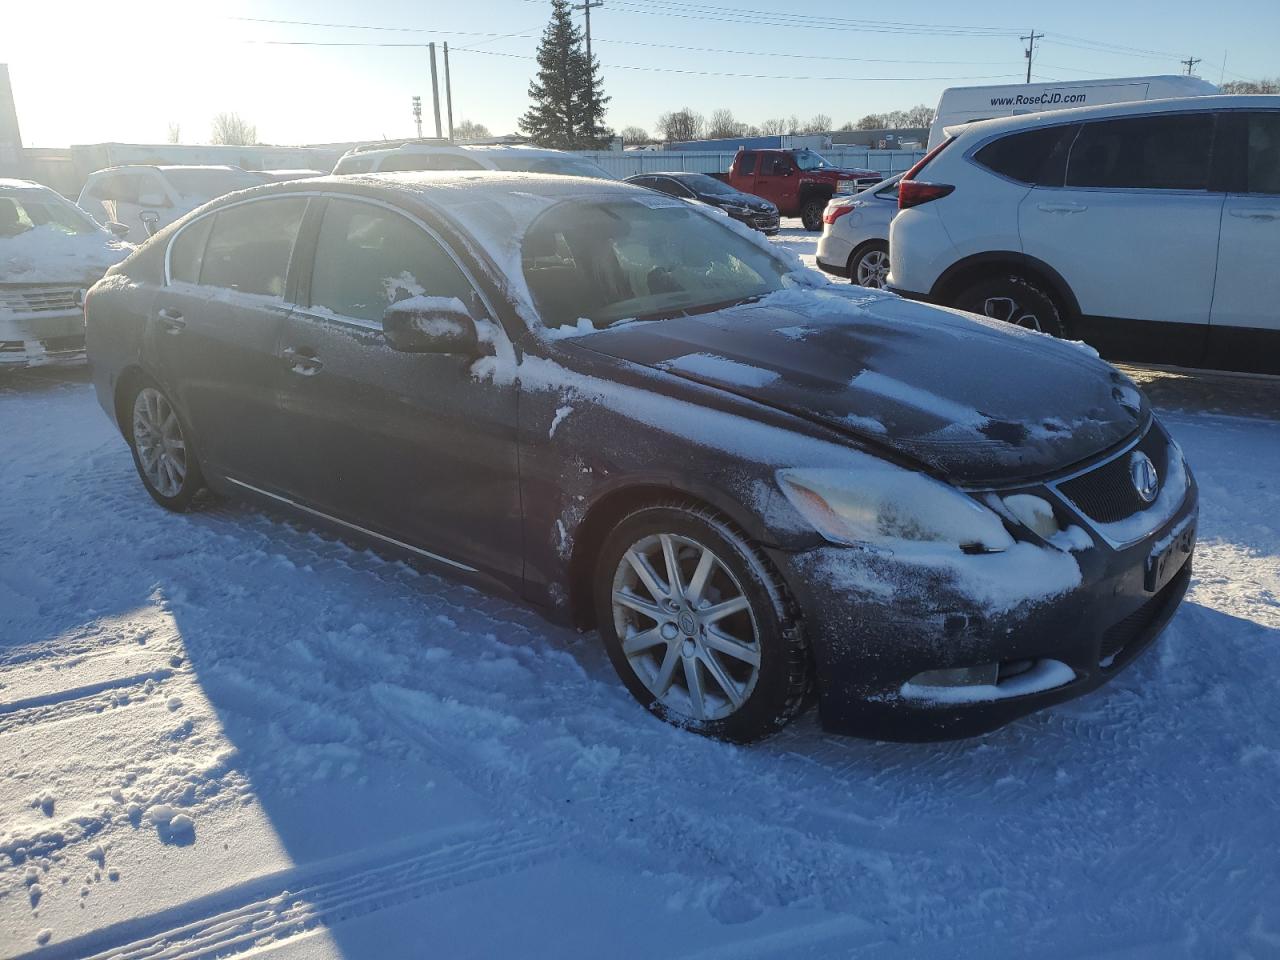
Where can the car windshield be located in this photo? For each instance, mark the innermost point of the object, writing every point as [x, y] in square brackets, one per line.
[198, 182]
[643, 259]
[23, 210]
[565, 166]
[808, 160]
[702, 183]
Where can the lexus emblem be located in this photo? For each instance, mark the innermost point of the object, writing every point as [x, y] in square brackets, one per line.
[1143, 474]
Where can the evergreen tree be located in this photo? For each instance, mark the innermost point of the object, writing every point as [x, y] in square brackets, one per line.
[568, 99]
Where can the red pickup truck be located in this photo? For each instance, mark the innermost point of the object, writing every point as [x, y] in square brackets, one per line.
[799, 182]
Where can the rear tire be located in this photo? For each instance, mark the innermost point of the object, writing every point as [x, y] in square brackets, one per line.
[161, 446]
[720, 651]
[869, 265]
[811, 213]
[1014, 299]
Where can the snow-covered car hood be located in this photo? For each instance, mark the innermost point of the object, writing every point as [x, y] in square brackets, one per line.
[47, 255]
[979, 401]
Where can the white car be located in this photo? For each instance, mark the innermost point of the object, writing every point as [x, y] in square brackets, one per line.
[147, 197]
[855, 234]
[442, 155]
[50, 253]
[1150, 230]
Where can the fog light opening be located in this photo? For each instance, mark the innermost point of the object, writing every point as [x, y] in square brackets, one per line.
[988, 681]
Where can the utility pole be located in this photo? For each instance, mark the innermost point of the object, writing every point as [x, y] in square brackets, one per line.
[448, 91]
[1031, 49]
[586, 7]
[1189, 63]
[435, 88]
[417, 114]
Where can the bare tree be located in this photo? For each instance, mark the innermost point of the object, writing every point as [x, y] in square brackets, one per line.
[1252, 86]
[773, 126]
[230, 129]
[175, 132]
[684, 124]
[921, 115]
[470, 130]
[821, 123]
[722, 124]
[793, 125]
[634, 135]
[873, 121]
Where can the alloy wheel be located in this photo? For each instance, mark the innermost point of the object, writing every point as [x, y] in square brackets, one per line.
[873, 269]
[1009, 310]
[686, 626]
[157, 435]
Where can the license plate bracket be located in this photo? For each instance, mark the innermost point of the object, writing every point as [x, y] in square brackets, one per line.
[1161, 566]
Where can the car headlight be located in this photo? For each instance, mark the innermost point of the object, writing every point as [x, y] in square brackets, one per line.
[1034, 513]
[883, 505]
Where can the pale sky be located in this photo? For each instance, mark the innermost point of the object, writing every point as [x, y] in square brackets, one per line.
[85, 72]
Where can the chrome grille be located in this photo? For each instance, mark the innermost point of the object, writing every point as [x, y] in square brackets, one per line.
[1106, 493]
[40, 299]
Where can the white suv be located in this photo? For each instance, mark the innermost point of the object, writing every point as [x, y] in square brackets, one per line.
[146, 197]
[442, 155]
[1150, 230]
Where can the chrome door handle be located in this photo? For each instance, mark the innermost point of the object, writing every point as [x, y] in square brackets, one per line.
[172, 321]
[302, 363]
[1062, 207]
[1255, 213]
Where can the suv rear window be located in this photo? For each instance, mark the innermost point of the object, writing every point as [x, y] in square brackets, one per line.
[1037, 157]
[1167, 152]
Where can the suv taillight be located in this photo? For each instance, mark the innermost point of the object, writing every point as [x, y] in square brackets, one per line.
[912, 192]
[832, 214]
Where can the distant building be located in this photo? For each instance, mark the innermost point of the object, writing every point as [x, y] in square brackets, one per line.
[900, 139]
[816, 141]
[11, 159]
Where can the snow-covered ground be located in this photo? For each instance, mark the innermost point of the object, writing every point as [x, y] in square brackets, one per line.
[223, 733]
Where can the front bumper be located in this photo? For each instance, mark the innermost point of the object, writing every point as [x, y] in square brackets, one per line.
[34, 339]
[767, 223]
[869, 641]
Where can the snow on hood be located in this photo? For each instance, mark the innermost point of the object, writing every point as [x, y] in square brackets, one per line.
[977, 400]
[48, 255]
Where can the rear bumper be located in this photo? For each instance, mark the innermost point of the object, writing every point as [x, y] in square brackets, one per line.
[875, 623]
[835, 269]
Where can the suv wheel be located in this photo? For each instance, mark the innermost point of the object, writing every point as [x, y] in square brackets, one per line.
[1014, 299]
[869, 265]
[697, 624]
[811, 213]
[161, 450]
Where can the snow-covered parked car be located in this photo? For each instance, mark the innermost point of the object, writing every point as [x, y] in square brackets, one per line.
[642, 417]
[146, 197]
[50, 254]
[404, 155]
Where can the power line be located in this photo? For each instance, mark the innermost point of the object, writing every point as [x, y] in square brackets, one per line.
[1190, 63]
[1031, 49]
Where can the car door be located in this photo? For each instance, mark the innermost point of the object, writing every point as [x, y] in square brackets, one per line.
[778, 180]
[410, 446]
[1133, 231]
[215, 328]
[1244, 326]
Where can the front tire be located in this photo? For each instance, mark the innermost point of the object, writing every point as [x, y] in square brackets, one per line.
[869, 265]
[1017, 300]
[162, 451]
[698, 625]
[811, 213]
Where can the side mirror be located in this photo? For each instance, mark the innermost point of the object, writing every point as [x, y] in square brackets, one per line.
[150, 222]
[431, 325]
[121, 230]
[151, 199]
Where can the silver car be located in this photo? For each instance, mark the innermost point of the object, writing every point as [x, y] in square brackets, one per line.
[855, 234]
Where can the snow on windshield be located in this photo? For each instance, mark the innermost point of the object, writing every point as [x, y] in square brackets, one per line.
[26, 209]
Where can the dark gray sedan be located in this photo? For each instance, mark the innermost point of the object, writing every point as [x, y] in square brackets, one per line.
[640, 417]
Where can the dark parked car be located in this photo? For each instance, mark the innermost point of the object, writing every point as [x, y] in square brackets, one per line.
[622, 410]
[755, 212]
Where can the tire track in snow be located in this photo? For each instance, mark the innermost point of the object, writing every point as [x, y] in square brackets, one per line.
[285, 905]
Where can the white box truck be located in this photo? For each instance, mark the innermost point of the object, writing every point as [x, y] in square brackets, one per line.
[961, 105]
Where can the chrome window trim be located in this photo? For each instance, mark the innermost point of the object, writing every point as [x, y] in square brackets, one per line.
[353, 526]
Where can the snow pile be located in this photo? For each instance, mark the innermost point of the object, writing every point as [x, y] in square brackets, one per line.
[48, 255]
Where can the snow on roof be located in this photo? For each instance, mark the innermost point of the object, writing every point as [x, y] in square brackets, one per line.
[8, 183]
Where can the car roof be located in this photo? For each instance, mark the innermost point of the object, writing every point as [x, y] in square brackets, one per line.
[984, 128]
[480, 149]
[164, 167]
[9, 183]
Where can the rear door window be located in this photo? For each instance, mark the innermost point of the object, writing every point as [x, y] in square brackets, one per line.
[368, 257]
[1262, 153]
[747, 162]
[250, 244]
[1036, 157]
[187, 252]
[1165, 152]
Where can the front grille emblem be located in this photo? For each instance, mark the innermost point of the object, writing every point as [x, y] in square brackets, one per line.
[1143, 474]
